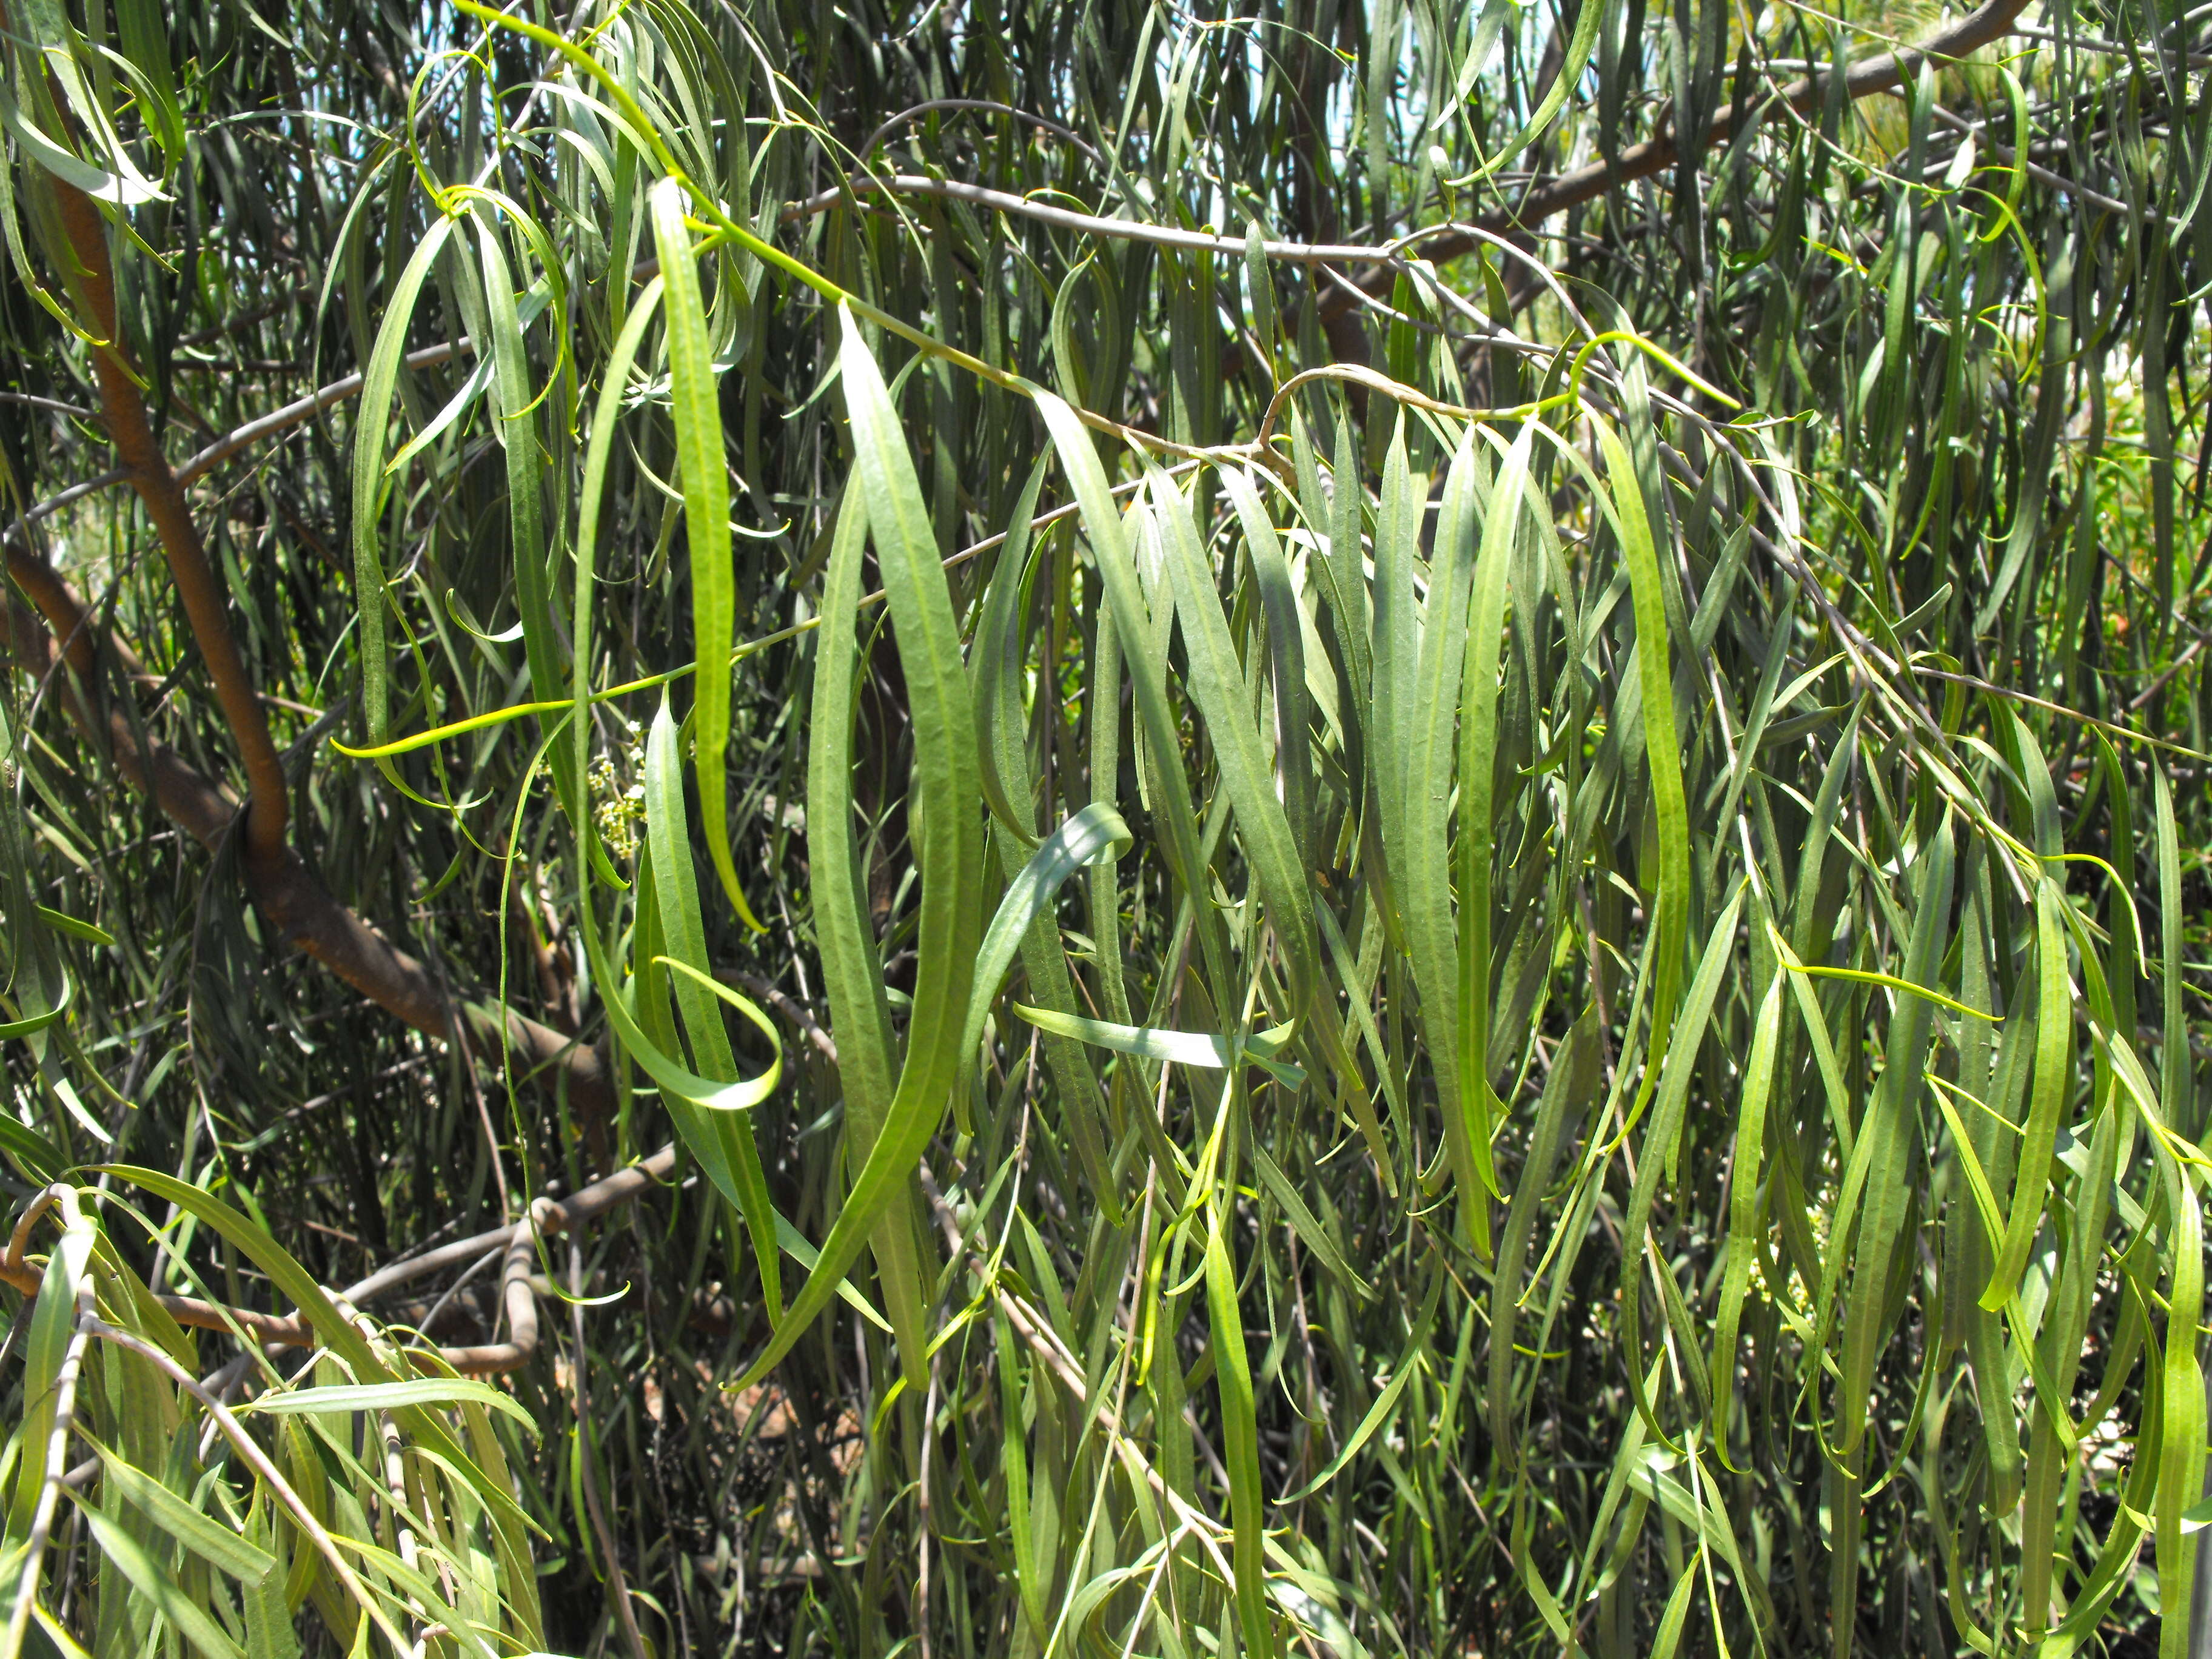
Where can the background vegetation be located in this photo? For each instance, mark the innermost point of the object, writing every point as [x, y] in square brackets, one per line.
[1437, 886]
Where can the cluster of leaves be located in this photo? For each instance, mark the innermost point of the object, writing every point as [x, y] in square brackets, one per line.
[345, 1490]
[1457, 902]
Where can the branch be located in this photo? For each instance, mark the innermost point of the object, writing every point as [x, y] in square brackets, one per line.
[288, 893]
[231, 443]
[1442, 242]
[1089, 224]
[149, 472]
[292, 413]
[1989, 23]
[1438, 243]
[547, 1217]
[754, 985]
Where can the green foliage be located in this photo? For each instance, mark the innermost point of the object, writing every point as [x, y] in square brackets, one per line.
[377, 1496]
[1461, 904]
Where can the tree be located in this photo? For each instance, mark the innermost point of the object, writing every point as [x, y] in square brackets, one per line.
[1354, 829]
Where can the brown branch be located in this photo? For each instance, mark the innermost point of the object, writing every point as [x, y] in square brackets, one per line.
[1449, 241]
[149, 473]
[791, 1009]
[1988, 22]
[293, 413]
[238, 438]
[547, 1217]
[288, 893]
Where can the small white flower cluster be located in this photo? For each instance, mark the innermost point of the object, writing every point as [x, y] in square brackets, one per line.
[618, 808]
